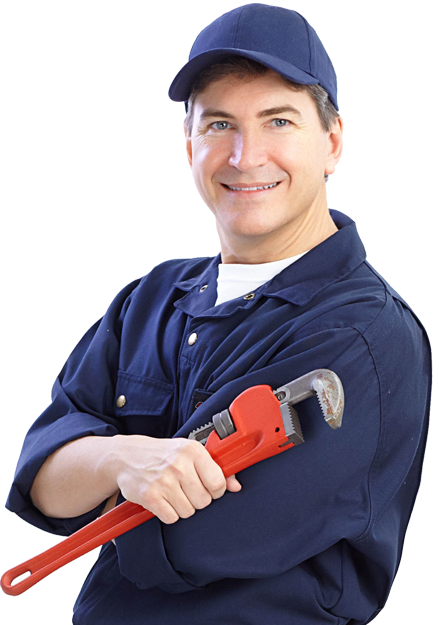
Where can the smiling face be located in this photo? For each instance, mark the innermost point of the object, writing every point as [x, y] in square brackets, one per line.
[255, 133]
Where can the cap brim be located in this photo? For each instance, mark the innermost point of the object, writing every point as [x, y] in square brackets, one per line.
[180, 89]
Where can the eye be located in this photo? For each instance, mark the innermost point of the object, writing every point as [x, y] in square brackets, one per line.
[219, 123]
[282, 122]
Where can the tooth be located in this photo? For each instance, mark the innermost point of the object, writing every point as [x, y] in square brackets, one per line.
[268, 186]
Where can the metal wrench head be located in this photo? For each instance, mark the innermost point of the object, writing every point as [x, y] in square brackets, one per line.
[321, 382]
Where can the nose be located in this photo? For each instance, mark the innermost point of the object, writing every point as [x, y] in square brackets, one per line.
[248, 151]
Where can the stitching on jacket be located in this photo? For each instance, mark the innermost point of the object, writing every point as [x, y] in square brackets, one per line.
[369, 525]
[144, 380]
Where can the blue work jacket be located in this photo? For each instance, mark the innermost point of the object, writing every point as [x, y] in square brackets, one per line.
[316, 533]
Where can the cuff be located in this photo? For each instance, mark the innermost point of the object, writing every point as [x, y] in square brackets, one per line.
[143, 560]
[74, 524]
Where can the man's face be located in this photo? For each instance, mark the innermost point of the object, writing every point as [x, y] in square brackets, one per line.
[259, 133]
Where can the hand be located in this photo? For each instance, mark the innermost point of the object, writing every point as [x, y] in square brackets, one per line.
[170, 477]
[232, 485]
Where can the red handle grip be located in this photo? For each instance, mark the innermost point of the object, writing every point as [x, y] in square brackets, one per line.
[112, 524]
[259, 434]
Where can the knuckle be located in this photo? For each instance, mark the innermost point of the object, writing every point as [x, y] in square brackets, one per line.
[153, 494]
[219, 492]
[194, 445]
[218, 484]
[149, 499]
[165, 481]
[178, 469]
[197, 450]
[188, 513]
[204, 501]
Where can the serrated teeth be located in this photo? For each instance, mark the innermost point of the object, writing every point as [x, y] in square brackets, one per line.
[320, 402]
[292, 428]
[331, 399]
[290, 410]
[201, 434]
[203, 427]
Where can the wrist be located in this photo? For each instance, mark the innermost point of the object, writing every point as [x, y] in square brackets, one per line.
[108, 465]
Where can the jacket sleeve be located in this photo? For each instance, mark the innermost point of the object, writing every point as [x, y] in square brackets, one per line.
[82, 405]
[348, 491]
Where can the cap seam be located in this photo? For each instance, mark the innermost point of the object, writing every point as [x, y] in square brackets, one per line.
[238, 26]
[309, 44]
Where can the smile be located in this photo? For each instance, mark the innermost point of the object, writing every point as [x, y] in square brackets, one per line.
[247, 189]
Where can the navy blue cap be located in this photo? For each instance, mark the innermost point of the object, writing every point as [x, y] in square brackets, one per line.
[278, 38]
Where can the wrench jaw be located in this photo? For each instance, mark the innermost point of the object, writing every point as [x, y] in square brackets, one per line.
[291, 423]
[321, 382]
[330, 395]
[201, 434]
[221, 423]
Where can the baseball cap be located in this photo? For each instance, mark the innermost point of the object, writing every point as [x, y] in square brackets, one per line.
[279, 38]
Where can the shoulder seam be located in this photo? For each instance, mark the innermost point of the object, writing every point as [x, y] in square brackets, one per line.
[370, 522]
[379, 313]
[342, 326]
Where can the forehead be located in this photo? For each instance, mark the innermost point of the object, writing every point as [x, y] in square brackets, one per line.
[252, 94]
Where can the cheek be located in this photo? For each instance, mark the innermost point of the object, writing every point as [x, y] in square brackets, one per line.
[304, 158]
[207, 160]
[291, 154]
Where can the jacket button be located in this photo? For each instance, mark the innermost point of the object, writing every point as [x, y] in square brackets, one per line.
[203, 288]
[192, 339]
[121, 401]
[249, 296]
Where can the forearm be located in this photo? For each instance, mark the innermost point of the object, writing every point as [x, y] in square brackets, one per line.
[170, 477]
[77, 477]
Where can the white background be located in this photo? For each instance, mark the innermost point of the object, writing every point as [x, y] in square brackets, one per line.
[403, 141]
[403, 163]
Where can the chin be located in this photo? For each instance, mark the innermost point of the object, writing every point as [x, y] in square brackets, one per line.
[251, 229]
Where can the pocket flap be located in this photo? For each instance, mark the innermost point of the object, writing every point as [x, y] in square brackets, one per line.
[139, 395]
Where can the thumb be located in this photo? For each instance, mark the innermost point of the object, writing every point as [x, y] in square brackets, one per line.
[232, 484]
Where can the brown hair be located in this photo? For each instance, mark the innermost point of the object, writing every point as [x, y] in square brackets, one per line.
[246, 69]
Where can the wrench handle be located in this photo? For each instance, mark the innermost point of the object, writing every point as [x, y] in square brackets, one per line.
[260, 434]
[121, 519]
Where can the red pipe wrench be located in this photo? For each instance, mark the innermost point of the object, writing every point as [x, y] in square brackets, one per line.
[258, 424]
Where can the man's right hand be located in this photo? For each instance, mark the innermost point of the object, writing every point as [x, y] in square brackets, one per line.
[170, 477]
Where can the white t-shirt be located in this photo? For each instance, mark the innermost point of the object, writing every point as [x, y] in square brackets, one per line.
[235, 280]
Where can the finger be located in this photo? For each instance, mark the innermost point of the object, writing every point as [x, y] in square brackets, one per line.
[210, 474]
[232, 484]
[195, 491]
[159, 502]
[166, 512]
[178, 500]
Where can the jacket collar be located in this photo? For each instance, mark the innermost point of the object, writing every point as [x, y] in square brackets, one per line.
[328, 262]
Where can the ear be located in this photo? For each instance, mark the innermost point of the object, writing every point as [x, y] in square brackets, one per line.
[335, 146]
[188, 146]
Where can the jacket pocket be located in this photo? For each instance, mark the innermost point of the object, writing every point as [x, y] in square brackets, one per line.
[145, 404]
[199, 396]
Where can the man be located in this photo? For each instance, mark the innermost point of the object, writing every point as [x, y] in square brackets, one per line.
[315, 534]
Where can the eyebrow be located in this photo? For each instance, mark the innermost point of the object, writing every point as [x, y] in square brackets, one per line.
[277, 110]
